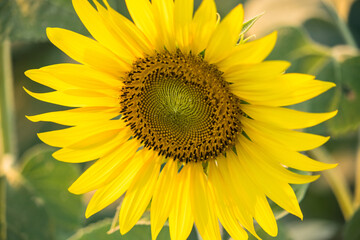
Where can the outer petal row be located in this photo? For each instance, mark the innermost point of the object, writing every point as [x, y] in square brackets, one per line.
[100, 30]
[87, 51]
[155, 28]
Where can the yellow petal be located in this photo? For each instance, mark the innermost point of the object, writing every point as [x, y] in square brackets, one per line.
[250, 52]
[225, 36]
[100, 30]
[77, 98]
[285, 118]
[105, 169]
[265, 163]
[77, 116]
[259, 206]
[95, 152]
[95, 140]
[68, 136]
[87, 51]
[142, 15]
[106, 195]
[202, 204]
[235, 176]
[203, 26]
[223, 208]
[164, 197]
[298, 88]
[297, 141]
[278, 191]
[83, 76]
[277, 152]
[181, 219]
[282, 194]
[164, 17]
[264, 216]
[285, 90]
[48, 80]
[249, 76]
[130, 34]
[75, 76]
[139, 194]
[183, 13]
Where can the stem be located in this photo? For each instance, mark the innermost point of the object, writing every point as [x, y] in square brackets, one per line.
[7, 130]
[7, 99]
[345, 31]
[343, 27]
[357, 173]
[337, 182]
[2, 192]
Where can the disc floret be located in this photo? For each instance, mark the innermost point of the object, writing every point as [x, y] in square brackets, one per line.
[180, 106]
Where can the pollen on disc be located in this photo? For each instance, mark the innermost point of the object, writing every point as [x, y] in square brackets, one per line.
[180, 106]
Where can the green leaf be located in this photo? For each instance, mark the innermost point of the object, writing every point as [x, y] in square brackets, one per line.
[347, 97]
[99, 230]
[323, 32]
[29, 18]
[290, 44]
[352, 230]
[193, 235]
[39, 205]
[48, 180]
[354, 20]
[248, 24]
[338, 21]
[27, 217]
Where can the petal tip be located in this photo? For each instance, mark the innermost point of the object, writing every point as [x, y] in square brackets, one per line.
[50, 31]
[331, 166]
[29, 73]
[89, 212]
[71, 189]
[32, 118]
[332, 114]
[123, 229]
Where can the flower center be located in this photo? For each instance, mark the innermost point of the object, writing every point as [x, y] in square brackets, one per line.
[180, 106]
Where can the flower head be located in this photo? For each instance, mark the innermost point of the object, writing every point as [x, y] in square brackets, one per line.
[177, 112]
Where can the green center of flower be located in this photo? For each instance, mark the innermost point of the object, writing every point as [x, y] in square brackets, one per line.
[175, 109]
[180, 106]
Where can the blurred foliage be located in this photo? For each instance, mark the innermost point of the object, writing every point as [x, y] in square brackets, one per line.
[354, 20]
[352, 230]
[26, 20]
[27, 218]
[39, 206]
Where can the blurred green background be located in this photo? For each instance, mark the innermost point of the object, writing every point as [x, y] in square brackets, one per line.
[318, 37]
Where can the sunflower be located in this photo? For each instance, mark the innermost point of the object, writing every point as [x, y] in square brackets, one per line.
[180, 115]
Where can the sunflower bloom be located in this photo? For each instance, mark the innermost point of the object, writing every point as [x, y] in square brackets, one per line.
[179, 115]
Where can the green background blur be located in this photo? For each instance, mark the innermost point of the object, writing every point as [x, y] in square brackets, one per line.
[311, 36]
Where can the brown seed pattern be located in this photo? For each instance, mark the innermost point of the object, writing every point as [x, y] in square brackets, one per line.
[180, 106]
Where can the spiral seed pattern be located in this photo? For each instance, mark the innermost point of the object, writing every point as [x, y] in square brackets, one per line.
[180, 106]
